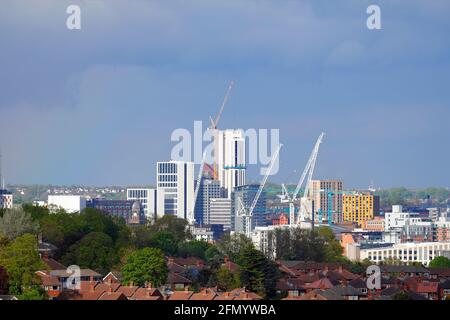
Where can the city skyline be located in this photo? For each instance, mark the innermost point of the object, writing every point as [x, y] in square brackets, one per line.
[109, 95]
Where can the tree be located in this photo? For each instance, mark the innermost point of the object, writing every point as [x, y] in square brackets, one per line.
[193, 248]
[21, 260]
[165, 241]
[174, 225]
[145, 265]
[440, 262]
[232, 246]
[36, 212]
[227, 280]
[16, 222]
[95, 251]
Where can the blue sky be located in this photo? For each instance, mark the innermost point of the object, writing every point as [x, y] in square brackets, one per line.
[97, 106]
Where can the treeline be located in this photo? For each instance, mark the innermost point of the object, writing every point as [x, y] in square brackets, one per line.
[404, 196]
[92, 239]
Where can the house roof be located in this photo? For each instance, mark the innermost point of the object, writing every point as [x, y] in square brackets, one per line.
[180, 295]
[128, 291]
[323, 283]
[147, 294]
[52, 264]
[427, 287]
[174, 278]
[107, 286]
[175, 267]
[403, 268]
[205, 294]
[49, 280]
[358, 283]
[113, 275]
[112, 296]
[83, 273]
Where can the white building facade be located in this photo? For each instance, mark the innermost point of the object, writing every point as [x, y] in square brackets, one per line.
[422, 252]
[220, 212]
[70, 203]
[231, 159]
[175, 180]
[151, 201]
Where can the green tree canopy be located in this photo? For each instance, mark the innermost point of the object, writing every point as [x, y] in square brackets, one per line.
[174, 225]
[227, 280]
[21, 260]
[145, 265]
[95, 251]
[440, 262]
[16, 222]
[193, 248]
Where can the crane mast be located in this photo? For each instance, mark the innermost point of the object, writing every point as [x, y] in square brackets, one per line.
[249, 214]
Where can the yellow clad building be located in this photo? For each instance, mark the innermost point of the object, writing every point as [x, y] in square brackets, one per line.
[360, 207]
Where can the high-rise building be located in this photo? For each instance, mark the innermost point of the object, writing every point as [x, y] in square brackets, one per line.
[208, 189]
[6, 199]
[360, 207]
[231, 163]
[247, 194]
[220, 212]
[151, 201]
[321, 190]
[176, 180]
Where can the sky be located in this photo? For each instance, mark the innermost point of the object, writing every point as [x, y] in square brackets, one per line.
[97, 106]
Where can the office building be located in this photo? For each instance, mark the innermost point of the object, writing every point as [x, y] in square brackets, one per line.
[208, 190]
[322, 193]
[442, 226]
[220, 212]
[175, 179]
[247, 194]
[69, 203]
[360, 207]
[151, 201]
[6, 199]
[130, 210]
[231, 162]
[422, 252]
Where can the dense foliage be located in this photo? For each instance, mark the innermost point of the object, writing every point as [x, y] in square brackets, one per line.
[143, 266]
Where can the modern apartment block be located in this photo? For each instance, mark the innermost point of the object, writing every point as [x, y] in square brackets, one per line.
[360, 207]
[320, 193]
[176, 180]
[231, 162]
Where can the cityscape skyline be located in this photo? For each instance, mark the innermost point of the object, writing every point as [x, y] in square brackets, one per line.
[382, 102]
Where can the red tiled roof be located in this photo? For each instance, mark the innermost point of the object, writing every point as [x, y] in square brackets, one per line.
[175, 267]
[174, 278]
[128, 291]
[206, 294]
[427, 287]
[113, 296]
[147, 294]
[52, 264]
[107, 287]
[323, 283]
[180, 295]
[49, 280]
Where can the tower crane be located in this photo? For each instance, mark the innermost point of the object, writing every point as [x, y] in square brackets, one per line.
[248, 213]
[308, 171]
[214, 124]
